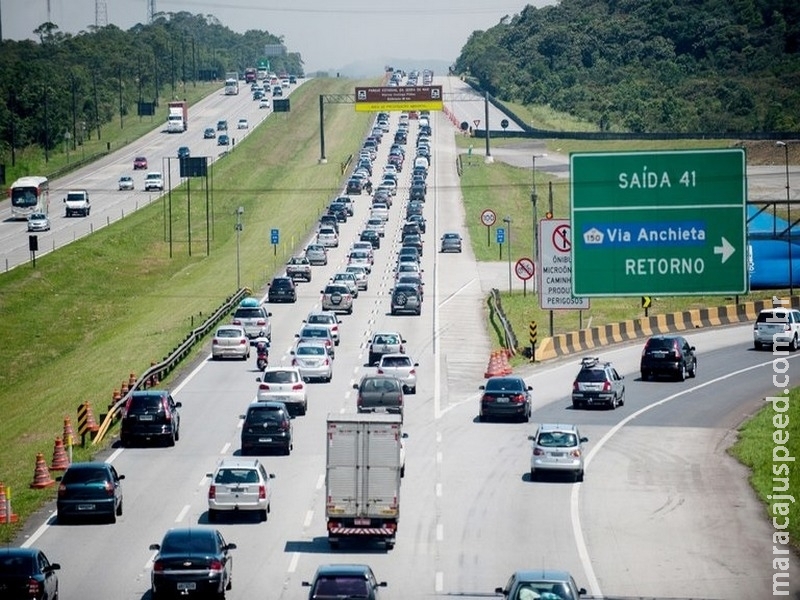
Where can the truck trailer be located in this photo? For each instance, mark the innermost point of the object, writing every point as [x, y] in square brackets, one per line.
[362, 477]
[177, 116]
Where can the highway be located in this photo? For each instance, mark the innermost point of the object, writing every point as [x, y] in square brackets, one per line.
[664, 512]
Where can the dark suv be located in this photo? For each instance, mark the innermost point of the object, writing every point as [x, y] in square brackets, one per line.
[282, 289]
[598, 383]
[150, 415]
[669, 355]
[266, 425]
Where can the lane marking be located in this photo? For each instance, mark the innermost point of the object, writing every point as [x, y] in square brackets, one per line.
[308, 519]
[439, 532]
[225, 448]
[183, 513]
[439, 585]
[580, 540]
[438, 490]
[294, 561]
[321, 481]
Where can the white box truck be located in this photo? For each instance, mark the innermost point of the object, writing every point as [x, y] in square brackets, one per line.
[362, 477]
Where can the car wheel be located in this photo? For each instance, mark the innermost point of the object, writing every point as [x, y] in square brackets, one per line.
[579, 476]
[329, 378]
[262, 515]
[171, 439]
[682, 373]
[622, 398]
[693, 370]
[350, 311]
[575, 405]
[178, 433]
[112, 517]
[372, 359]
[534, 475]
[758, 345]
[403, 471]
[334, 544]
[389, 545]
[119, 509]
[287, 449]
[793, 344]
[212, 515]
[645, 375]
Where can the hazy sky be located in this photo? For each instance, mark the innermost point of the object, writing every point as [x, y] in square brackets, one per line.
[328, 35]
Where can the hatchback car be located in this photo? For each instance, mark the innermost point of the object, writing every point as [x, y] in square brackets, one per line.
[327, 236]
[321, 333]
[402, 367]
[598, 384]
[253, 317]
[348, 279]
[779, 326]
[327, 318]
[669, 355]
[557, 448]
[89, 489]
[209, 133]
[27, 573]
[505, 396]
[451, 242]
[150, 415]
[313, 360]
[266, 425]
[125, 183]
[371, 236]
[140, 162]
[222, 125]
[376, 224]
[344, 581]
[38, 222]
[284, 384]
[379, 393]
[361, 275]
[239, 484]
[337, 297]
[223, 140]
[406, 299]
[242, 124]
[361, 258]
[282, 289]
[317, 254]
[230, 341]
[264, 103]
[541, 584]
[385, 343]
[192, 561]
[299, 267]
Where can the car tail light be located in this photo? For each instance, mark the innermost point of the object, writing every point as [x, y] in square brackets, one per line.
[243, 341]
[237, 322]
[487, 398]
[576, 453]
[284, 425]
[127, 407]
[327, 361]
[402, 349]
[215, 566]
[158, 566]
[165, 406]
[380, 371]
[538, 452]
[606, 386]
[261, 322]
[518, 399]
[297, 386]
[62, 489]
[262, 492]
[109, 488]
[214, 342]
[576, 387]
[676, 349]
[212, 492]
[294, 362]
[264, 387]
[359, 401]
[34, 588]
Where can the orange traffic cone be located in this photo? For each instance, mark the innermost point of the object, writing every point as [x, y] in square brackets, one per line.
[41, 476]
[131, 381]
[69, 434]
[494, 368]
[123, 389]
[91, 424]
[60, 459]
[504, 364]
[6, 516]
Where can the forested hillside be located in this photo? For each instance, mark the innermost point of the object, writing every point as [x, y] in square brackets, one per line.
[649, 66]
[77, 82]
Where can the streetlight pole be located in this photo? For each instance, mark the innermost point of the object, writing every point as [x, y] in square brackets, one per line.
[239, 212]
[788, 213]
[507, 221]
[534, 208]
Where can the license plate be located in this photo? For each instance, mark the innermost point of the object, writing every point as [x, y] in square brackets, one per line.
[145, 417]
[85, 506]
[264, 440]
[557, 454]
[186, 585]
[363, 521]
[502, 400]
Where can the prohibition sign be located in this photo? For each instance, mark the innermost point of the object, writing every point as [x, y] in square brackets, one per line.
[524, 268]
[561, 238]
[488, 217]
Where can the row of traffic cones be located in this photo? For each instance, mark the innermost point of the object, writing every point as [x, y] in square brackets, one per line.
[498, 364]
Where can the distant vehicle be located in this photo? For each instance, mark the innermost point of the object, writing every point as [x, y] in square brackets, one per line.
[451, 242]
[282, 289]
[317, 254]
[313, 360]
[557, 448]
[253, 317]
[267, 425]
[327, 318]
[126, 182]
[673, 356]
[230, 341]
[264, 103]
[779, 326]
[76, 203]
[222, 125]
[299, 267]
[89, 489]
[223, 140]
[242, 124]
[148, 416]
[250, 74]
[535, 583]
[38, 222]
[284, 384]
[140, 162]
[402, 367]
[178, 116]
[27, 573]
[385, 343]
[277, 91]
[231, 86]
[29, 195]
[153, 181]
[184, 152]
[344, 581]
[209, 133]
[239, 484]
[379, 393]
[505, 396]
[191, 560]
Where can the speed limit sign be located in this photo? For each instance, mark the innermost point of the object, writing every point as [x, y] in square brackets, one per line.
[488, 217]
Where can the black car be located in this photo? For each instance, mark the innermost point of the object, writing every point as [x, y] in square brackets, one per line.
[379, 393]
[414, 207]
[222, 125]
[89, 489]
[417, 192]
[338, 210]
[191, 561]
[411, 228]
[505, 396]
[355, 185]
[184, 152]
[267, 425]
[329, 220]
[669, 355]
[411, 251]
[150, 415]
[400, 137]
[419, 220]
[344, 581]
[413, 240]
[598, 384]
[26, 573]
[282, 289]
[371, 236]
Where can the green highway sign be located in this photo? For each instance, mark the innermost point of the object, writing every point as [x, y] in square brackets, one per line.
[659, 223]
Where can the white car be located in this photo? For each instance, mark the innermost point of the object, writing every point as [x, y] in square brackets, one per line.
[777, 325]
[284, 384]
[376, 224]
[154, 181]
[242, 124]
[347, 279]
[264, 103]
[328, 237]
[239, 484]
[328, 318]
[126, 182]
[361, 273]
[408, 267]
[230, 341]
[360, 258]
[380, 211]
[365, 246]
[402, 367]
[313, 360]
[38, 222]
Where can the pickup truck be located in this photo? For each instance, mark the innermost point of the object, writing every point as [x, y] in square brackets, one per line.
[299, 267]
[77, 203]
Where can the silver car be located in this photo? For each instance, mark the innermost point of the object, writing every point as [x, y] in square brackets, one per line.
[360, 271]
[313, 360]
[557, 449]
[240, 484]
[327, 318]
[348, 279]
[317, 254]
[338, 298]
[376, 224]
[402, 367]
[230, 341]
[451, 242]
[38, 222]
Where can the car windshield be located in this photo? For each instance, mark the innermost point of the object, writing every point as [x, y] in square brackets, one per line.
[590, 375]
[281, 377]
[557, 439]
[504, 385]
[236, 476]
[189, 543]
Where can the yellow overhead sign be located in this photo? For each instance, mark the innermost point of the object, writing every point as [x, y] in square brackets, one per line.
[407, 98]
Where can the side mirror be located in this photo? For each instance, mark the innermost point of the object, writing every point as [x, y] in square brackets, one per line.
[155, 546]
[178, 405]
[297, 335]
[584, 440]
[530, 388]
[482, 387]
[416, 364]
[258, 379]
[272, 475]
[405, 436]
[692, 348]
[531, 437]
[230, 546]
[582, 592]
[355, 386]
[291, 352]
[209, 475]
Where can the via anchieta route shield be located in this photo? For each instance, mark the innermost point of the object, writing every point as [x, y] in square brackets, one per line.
[669, 223]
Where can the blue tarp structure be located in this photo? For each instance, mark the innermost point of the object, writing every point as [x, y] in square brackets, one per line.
[768, 258]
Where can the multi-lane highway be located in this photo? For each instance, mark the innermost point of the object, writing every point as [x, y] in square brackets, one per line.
[663, 512]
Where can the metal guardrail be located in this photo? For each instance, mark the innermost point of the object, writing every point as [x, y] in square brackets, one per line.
[510, 338]
[173, 359]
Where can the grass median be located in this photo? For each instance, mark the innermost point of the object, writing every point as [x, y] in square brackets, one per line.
[88, 315]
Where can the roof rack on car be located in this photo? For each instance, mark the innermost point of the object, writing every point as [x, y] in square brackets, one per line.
[589, 362]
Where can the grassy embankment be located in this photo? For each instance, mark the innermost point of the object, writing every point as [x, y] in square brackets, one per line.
[507, 190]
[109, 304]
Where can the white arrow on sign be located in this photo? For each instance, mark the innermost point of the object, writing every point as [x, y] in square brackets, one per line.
[725, 249]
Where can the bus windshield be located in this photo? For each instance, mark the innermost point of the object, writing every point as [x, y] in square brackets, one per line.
[24, 197]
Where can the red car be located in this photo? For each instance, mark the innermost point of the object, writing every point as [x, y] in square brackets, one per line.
[140, 162]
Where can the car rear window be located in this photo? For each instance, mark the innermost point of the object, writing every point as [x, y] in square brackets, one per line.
[773, 316]
[145, 402]
[248, 313]
[396, 361]
[380, 384]
[660, 343]
[235, 476]
[282, 283]
[85, 476]
[16, 565]
[264, 415]
[202, 543]
[341, 587]
[229, 333]
[280, 377]
[557, 439]
[589, 375]
[503, 385]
